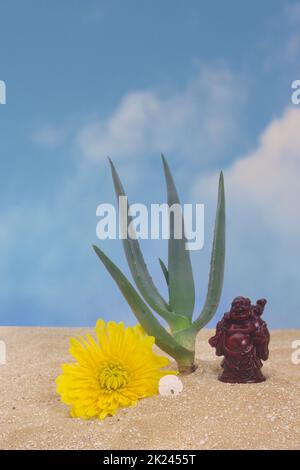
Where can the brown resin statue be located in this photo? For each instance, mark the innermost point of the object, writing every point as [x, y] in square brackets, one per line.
[242, 337]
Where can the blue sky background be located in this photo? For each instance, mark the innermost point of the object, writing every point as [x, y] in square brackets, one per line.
[206, 82]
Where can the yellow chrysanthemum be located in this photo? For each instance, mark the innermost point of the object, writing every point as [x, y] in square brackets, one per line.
[115, 371]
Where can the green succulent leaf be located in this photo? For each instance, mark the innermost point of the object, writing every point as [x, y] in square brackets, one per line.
[137, 264]
[142, 312]
[164, 270]
[181, 281]
[217, 263]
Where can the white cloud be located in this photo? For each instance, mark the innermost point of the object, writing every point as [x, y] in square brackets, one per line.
[263, 229]
[56, 235]
[198, 121]
[49, 136]
[269, 176]
[262, 191]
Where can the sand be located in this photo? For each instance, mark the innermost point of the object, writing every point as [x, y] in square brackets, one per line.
[206, 415]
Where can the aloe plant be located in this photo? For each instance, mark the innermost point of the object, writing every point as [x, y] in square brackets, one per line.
[179, 340]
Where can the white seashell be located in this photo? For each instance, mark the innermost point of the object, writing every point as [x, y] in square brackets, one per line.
[170, 385]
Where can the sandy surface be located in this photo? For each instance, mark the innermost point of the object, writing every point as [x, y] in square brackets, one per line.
[207, 415]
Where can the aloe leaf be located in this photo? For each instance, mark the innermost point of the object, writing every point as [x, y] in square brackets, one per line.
[137, 264]
[142, 312]
[181, 281]
[164, 270]
[216, 274]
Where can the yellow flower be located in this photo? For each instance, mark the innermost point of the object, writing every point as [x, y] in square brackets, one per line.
[115, 371]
